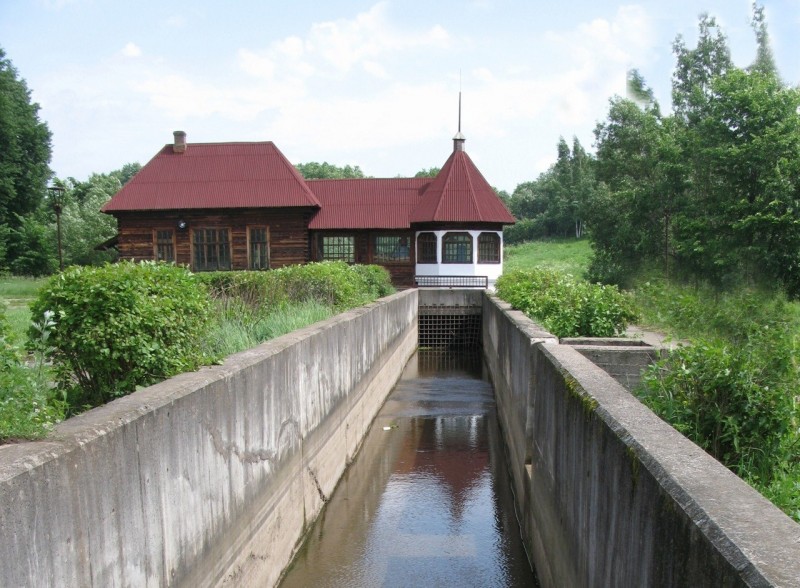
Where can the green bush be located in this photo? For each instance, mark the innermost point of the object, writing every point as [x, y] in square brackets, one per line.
[334, 284]
[122, 326]
[525, 229]
[565, 306]
[735, 401]
[376, 278]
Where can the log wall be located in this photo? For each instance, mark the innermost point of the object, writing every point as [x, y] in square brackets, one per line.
[288, 233]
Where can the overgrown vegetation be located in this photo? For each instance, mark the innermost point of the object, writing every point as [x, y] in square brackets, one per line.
[252, 307]
[29, 407]
[706, 195]
[733, 389]
[112, 329]
[566, 306]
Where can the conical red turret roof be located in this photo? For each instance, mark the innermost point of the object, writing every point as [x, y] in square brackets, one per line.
[460, 193]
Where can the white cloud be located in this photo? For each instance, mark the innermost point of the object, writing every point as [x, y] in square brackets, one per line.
[132, 50]
[345, 42]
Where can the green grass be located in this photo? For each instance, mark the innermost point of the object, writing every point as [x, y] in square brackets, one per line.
[19, 319]
[570, 256]
[15, 288]
[236, 331]
[17, 293]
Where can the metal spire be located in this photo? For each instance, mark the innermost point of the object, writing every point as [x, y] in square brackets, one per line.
[458, 140]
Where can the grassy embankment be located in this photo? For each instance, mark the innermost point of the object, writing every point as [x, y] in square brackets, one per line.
[568, 256]
[741, 367]
[247, 309]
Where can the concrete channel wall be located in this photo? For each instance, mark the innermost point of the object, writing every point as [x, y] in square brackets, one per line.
[610, 495]
[209, 478]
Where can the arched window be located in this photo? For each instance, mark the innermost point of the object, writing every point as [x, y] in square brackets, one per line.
[488, 248]
[426, 248]
[457, 248]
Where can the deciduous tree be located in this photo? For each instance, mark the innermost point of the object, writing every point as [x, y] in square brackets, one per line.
[25, 152]
[327, 171]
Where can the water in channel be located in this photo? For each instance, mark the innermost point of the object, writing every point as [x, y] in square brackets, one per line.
[427, 501]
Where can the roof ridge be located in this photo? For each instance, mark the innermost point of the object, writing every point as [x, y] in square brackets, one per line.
[449, 166]
[223, 143]
[473, 195]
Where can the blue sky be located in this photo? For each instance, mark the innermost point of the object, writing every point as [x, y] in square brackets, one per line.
[368, 83]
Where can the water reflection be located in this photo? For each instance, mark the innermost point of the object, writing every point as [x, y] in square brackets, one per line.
[426, 501]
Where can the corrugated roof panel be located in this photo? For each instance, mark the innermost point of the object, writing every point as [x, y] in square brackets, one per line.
[460, 193]
[367, 203]
[215, 175]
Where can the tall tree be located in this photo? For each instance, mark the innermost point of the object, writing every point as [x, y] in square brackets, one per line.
[696, 68]
[84, 226]
[25, 148]
[637, 89]
[639, 159]
[747, 148]
[430, 172]
[765, 61]
[554, 205]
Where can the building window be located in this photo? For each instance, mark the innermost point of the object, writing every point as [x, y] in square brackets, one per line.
[338, 248]
[391, 249]
[426, 248]
[488, 248]
[457, 248]
[258, 248]
[212, 249]
[165, 245]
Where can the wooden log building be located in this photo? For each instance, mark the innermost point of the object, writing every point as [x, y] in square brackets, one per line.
[243, 206]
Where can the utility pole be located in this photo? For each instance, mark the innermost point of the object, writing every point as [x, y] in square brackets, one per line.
[57, 199]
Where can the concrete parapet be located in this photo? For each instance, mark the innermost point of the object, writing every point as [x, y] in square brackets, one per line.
[508, 340]
[609, 494]
[209, 478]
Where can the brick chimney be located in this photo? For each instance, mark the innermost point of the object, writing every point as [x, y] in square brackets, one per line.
[179, 146]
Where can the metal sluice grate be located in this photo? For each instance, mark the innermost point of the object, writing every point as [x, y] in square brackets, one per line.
[447, 327]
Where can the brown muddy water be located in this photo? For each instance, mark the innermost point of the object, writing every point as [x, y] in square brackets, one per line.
[427, 501]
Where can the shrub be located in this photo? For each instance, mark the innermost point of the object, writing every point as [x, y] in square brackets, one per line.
[376, 278]
[565, 306]
[330, 283]
[122, 326]
[735, 401]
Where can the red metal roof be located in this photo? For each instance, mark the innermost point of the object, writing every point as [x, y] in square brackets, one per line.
[215, 175]
[366, 203]
[460, 193]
